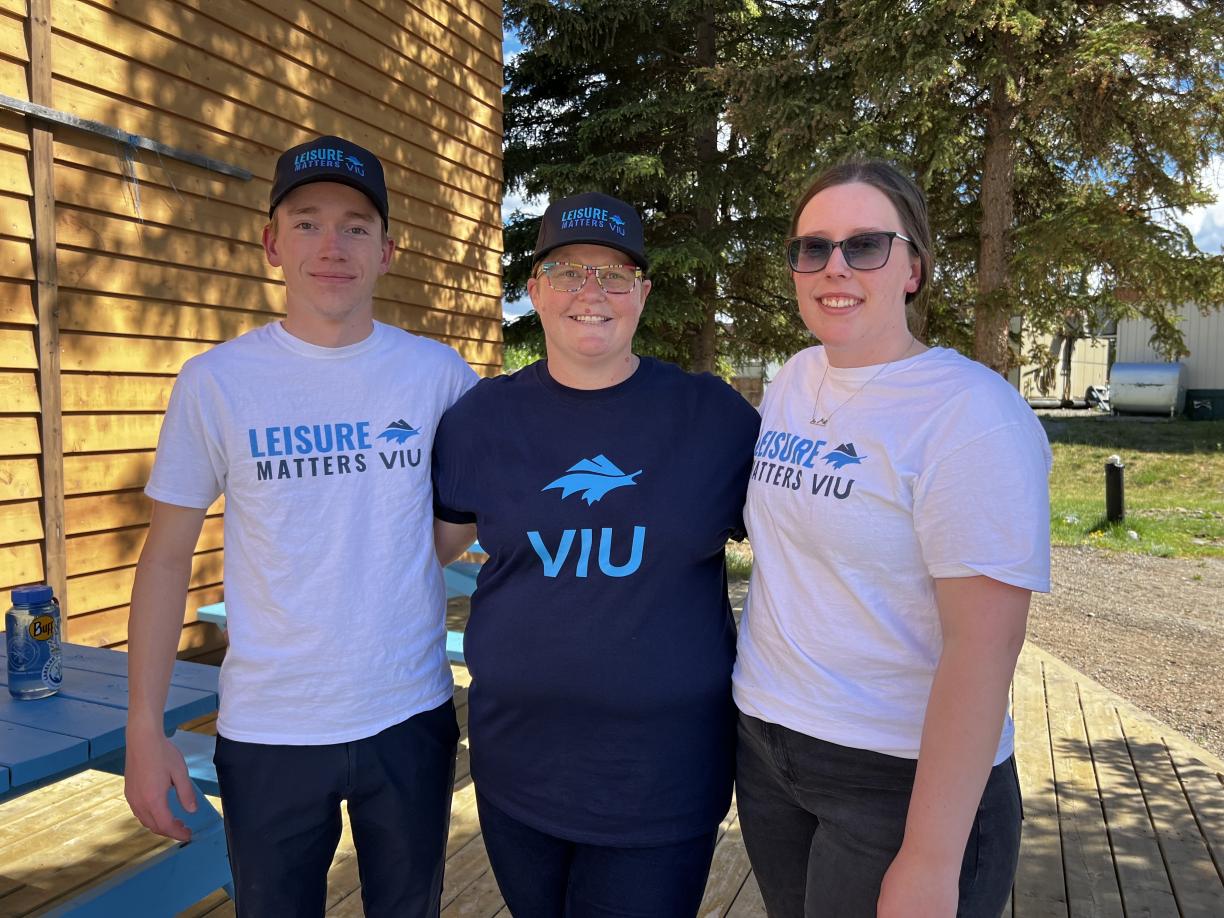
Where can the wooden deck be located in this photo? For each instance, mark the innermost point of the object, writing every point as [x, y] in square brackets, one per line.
[1123, 817]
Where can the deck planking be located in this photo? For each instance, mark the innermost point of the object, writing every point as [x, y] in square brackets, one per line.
[1088, 869]
[1124, 818]
[1040, 889]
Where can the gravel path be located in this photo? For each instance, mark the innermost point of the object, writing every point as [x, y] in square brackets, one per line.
[1151, 629]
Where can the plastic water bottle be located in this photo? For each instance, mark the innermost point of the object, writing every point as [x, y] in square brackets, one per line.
[32, 630]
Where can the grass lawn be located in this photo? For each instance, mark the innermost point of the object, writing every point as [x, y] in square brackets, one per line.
[739, 560]
[1174, 487]
[1174, 484]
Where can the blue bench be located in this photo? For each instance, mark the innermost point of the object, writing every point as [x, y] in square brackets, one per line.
[214, 614]
[197, 748]
[48, 740]
[460, 578]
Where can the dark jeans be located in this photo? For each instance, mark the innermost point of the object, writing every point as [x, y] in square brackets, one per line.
[542, 876]
[282, 817]
[822, 823]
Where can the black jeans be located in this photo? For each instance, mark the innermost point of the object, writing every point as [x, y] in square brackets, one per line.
[822, 823]
[543, 876]
[282, 817]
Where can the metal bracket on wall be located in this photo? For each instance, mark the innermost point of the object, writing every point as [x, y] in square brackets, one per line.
[51, 115]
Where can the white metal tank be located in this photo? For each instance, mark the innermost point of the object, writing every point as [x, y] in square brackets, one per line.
[1148, 388]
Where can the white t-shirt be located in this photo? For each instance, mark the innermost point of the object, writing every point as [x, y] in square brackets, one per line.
[333, 595]
[935, 467]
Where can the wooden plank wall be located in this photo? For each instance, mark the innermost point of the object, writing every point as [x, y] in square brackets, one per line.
[157, 260]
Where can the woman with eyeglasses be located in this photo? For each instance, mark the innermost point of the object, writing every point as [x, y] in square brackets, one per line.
[604, 486]
[898, 514]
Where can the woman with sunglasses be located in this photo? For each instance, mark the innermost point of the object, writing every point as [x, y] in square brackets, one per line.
[898, 514]
[604, 486]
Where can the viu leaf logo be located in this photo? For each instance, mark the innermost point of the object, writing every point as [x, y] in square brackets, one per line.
[617, 220]
[398, 432]
[594, 477]
[843, 456]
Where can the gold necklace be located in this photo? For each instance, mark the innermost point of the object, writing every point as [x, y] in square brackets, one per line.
[823, 420]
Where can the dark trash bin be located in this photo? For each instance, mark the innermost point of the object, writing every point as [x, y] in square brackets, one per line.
[1205, 404]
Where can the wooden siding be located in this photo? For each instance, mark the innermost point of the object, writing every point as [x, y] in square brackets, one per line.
[156, 260]
[1204, 336]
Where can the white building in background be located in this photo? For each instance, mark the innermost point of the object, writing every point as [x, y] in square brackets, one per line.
[751, 379]
[1089, 367]
[1129, 343]
[1204, 337]
[1091, 359]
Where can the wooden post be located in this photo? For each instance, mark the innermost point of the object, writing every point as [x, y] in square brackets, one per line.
[46, 302]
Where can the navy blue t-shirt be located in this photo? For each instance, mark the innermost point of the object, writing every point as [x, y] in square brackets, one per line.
[600, 642]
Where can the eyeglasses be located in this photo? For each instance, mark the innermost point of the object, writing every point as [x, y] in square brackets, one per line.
[568, 277]
[862, 251]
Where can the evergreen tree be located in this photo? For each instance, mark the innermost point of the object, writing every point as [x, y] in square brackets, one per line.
[619, 96]
[1057, 141]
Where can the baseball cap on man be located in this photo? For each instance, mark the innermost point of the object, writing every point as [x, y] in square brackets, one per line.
[330, 159]
[594, 219]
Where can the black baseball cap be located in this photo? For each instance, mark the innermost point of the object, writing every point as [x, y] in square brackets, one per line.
[330, 159]
[594, 219]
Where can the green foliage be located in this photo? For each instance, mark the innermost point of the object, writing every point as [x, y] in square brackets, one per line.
[1174, 487]
[739, 560]
[522, 350]
[1112, 111]
[1174, 484]
[617, 96]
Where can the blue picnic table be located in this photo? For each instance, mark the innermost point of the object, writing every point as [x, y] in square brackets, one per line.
[458, 576]
[82, 727]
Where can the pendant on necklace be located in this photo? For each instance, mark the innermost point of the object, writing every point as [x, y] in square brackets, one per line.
[819, 422]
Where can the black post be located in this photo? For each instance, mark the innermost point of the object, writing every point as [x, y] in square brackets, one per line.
[1115, 492]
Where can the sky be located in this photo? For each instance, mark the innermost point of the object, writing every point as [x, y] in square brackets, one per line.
[512, 202]
[1207, 223]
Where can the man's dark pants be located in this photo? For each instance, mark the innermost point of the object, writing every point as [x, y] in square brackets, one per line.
[282, 817]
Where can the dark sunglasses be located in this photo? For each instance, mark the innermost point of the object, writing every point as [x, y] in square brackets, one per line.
[862, 251]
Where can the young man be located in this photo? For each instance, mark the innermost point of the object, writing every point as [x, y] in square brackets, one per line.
[335, 686]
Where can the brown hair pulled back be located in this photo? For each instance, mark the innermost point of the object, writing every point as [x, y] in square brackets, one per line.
[904, 194]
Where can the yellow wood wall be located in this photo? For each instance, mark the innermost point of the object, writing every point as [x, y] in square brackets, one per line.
[157, 260]
[1089, 367]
